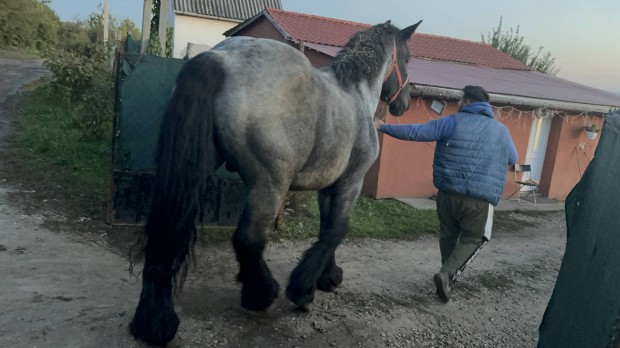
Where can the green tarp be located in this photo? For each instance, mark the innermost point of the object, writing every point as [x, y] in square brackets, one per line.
[144, 86]
[144, 90]
[584, 310]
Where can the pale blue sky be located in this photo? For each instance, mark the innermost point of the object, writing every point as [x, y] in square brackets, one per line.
[584, 36]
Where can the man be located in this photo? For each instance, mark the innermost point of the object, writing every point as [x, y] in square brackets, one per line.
[472, 154]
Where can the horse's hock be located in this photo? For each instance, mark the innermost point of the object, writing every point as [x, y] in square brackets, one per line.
[144, 84]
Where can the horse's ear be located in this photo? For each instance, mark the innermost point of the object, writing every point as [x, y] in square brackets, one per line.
[406, 33]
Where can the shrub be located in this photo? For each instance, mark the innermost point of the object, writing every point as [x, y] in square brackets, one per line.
[84, 77]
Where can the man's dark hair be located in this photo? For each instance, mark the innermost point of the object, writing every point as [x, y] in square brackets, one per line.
[474, 94]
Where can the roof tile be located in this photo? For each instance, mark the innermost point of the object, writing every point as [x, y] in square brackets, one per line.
[336, 32]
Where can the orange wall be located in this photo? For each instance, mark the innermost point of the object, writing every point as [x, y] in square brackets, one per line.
[404, 168]
[568, 154]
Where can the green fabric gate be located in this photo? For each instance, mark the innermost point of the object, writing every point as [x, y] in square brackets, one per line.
[143, 88]
[584, 310]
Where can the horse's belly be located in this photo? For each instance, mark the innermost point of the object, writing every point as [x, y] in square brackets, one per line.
[317, 179]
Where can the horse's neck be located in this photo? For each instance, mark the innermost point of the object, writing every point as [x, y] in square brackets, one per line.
[367, 92]
[370, 89]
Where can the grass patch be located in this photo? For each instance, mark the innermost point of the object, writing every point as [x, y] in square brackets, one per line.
[370, 218]
[208, 235]
[50, 139]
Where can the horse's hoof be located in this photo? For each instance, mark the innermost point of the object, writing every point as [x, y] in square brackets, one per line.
[259, 296]
[299, 297]
[303, 309]
[329, 281]
[154, 328]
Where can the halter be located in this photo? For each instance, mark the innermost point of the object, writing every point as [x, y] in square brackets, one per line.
[394, 66]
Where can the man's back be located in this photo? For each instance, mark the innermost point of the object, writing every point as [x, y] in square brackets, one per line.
[473, 159]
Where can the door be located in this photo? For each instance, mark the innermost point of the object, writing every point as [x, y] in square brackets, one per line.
[537, 145]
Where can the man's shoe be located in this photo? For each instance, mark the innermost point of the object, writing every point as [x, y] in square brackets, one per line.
[444, 288]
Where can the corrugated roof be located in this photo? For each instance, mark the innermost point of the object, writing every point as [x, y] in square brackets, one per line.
[231, 9]
[532, 84]
[336, 32]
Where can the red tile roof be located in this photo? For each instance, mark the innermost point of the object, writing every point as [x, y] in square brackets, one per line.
[336, 32]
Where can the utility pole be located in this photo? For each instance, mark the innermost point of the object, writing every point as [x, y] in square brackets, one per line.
[106, 21]
[163, 25]
[146, 24]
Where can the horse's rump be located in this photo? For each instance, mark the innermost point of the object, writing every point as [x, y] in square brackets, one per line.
[282, 113]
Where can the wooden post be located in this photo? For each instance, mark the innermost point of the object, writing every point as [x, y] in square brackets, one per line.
[146, 24]
[163, 25]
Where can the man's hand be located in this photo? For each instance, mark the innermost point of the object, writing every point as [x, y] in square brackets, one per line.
[378, 123]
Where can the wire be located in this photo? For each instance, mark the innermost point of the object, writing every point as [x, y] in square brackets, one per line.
[578, 163]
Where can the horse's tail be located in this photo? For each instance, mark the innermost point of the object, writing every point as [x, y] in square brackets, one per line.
[186, 158]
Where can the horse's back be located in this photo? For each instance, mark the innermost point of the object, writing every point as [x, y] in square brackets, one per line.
[279, 114]
[262, 112]
[262, 60]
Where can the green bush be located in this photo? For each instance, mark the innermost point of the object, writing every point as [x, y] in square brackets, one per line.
[84, 77]
[28, 24]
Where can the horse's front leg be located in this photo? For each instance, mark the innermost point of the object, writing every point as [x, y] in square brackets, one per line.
[332, 274]
[259, 288]
[317, 268]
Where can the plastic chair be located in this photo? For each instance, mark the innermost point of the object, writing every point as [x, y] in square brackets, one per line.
[523, 179]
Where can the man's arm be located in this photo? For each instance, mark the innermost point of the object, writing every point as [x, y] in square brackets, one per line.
[434, 130]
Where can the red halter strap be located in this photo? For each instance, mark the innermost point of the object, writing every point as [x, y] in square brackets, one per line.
[394, 66]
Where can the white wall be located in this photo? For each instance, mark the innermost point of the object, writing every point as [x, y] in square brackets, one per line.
[197, 30]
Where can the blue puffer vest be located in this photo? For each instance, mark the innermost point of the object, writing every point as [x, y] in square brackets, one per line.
[474, 159]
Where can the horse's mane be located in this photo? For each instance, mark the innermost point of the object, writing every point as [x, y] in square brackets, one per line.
[361, 57]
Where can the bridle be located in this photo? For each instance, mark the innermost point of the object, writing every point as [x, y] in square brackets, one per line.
[394, 66]
[380, 112]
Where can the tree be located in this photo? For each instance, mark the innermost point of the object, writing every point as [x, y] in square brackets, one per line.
[28, 24]
[127, 26]
[153, 45]
[513, 44]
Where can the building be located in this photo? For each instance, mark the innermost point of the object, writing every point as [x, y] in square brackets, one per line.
[200, 23]
[546, 115]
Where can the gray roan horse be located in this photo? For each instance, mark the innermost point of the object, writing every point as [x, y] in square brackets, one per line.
[261, 107]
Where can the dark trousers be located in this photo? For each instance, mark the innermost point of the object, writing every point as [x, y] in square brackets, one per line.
[464, 226]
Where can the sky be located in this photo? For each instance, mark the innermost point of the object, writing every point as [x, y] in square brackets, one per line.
[583, 36]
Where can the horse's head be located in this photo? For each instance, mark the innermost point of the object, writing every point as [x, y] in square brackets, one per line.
[395, 89]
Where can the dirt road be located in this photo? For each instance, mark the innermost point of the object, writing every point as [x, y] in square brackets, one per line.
[60, 288]
[56, 290]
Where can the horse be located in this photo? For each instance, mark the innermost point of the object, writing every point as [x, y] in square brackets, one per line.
[260, 107]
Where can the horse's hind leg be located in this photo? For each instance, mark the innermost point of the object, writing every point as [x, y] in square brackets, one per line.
[259, 288]
[318, 265]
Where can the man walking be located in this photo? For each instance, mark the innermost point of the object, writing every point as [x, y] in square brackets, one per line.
[472, 155]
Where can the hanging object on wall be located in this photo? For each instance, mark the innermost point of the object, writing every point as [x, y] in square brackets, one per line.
[437, 106]
[592, 131]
